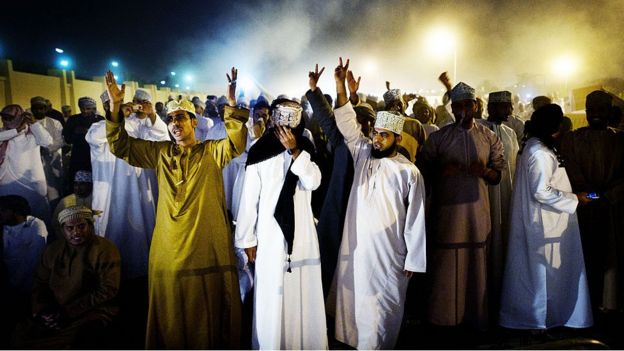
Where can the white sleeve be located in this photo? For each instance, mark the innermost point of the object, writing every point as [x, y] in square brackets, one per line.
[247, 219]
[541, 170]
[307, 171]
[348, 126]
[157, 131]
[42, 137]
[414, 233]
[8, 134]
[96, 135]
[57, 135]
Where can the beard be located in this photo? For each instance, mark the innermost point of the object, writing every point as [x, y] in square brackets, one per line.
[384, 153]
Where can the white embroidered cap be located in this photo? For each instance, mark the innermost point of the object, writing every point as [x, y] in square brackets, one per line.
[390, 121]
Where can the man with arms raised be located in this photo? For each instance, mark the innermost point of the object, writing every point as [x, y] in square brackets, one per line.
[194, 300]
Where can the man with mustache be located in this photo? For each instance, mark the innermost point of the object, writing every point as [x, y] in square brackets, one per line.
[459, 161]
[383, 241]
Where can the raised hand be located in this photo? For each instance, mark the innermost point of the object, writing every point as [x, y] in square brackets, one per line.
[340, 73]
[232, 86]
[115, 94]
[314, 77]
[354, 85]
[409, 97]
[387, 85]
[444, 78]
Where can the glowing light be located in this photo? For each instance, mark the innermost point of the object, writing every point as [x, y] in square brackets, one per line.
[162, 82]
[245, 83]
[441, 40]
[115, 64]
[60, 51]
[528, 96]
[177, 85]
[64, 63]
[187, 87]
[565, 66]
[173, 73]
[188, 78]
[116, 77]
[370, 66]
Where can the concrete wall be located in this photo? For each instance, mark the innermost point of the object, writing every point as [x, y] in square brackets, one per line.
[26, 85]
[62, 88]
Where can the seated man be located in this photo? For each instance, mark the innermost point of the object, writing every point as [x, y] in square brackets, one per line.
[74, 287]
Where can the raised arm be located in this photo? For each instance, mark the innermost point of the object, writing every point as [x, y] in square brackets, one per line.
[234, 144]
[346, 119]
[235, 120]
[137, 152]
[323, 112]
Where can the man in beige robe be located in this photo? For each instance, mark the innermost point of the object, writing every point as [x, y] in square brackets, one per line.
[459, 161]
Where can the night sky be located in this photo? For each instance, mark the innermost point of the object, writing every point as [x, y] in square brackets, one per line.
[275, 43]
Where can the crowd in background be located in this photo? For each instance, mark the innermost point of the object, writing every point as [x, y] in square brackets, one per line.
[290, 222]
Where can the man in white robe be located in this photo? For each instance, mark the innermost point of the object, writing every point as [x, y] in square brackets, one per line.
[51, 156]
[544, 284]
[499, 110]
[276, 228]
[23, 242]
[383, 241]
[21, 169]
[128, 202]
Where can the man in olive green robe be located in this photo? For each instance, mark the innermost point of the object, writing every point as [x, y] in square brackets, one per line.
[194, 298]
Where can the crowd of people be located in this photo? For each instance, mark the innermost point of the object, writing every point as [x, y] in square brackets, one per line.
[286, 224]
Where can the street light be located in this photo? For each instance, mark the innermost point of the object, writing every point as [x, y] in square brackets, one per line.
[441, 41]
[564, 67]
[163, 82]
[115, 64]
[173, 73]
[60, 51]
[188, 78]
[64, 63]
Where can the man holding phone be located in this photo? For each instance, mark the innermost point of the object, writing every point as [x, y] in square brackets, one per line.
[594, 161]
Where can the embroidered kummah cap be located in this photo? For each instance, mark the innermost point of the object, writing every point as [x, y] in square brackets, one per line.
[83, 177]
[104, 97]
[285, 112]
[142, 95]
[462, 91]
[390, 121]
[183, 105]
[86, 101]
[75, 212]
[38, 100]
[392, 95]
[499, 96]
